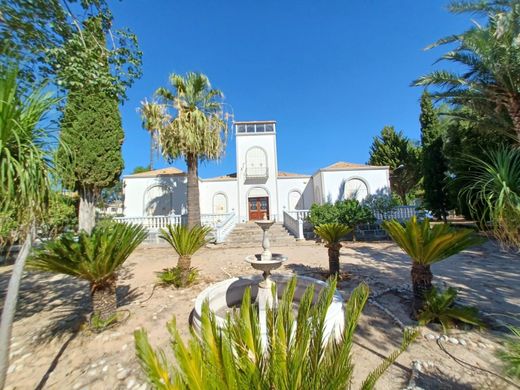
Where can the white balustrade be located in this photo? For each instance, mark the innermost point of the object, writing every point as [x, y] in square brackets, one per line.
[401, 213]
[293, 224]
[221, 224]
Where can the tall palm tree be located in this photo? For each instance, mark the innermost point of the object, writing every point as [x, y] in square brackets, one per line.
[490, 85]
[427, 245]
[25, 167]
[196, 132]
[151, 115]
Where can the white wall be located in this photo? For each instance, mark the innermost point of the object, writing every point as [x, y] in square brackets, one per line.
[303, 185]
[266, 141]
[334, 181]
[209, 188]
[173, 199]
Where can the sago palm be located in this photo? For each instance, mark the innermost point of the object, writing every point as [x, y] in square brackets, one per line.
[196, 132]
[296, 356]
[331, 234]
[185, 241]
[427, 245]
[495, 183]
[94, 257]
[490, 58]
[25, 170]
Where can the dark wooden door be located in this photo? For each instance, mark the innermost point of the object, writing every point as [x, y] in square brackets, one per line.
[258, 208]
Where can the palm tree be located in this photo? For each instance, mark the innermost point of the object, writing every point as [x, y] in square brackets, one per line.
[494, 182]
[185, 241]
[151, 115]
[25, 167]
[94, 257]
[490, 85]
[427, 245]
[196, 132]
[332, 233]
[297, 357]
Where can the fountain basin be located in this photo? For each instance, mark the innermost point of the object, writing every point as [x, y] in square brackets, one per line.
[266, 265]
[226, 295]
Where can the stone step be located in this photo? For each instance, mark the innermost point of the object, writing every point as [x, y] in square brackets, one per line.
[245, 234]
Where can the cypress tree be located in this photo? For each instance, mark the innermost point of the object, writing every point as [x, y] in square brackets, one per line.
[91, 128]
[434, 162]
[395, 150]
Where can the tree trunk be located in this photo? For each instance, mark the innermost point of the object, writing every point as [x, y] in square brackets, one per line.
[421, 283]
[184, 264]
[8, 312]
[104, 301]
[513, 108]
[334, 258]
[193, 191]
[87, 210]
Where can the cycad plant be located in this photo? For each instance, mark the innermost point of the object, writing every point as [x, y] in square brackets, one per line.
[495, 183]
[511, 354]
[185, 241]
[94, 257]
[440, 306]
[427, 245]
[234, 357]
[332, 233]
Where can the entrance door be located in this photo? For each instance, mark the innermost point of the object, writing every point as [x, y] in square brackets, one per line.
[258, 208]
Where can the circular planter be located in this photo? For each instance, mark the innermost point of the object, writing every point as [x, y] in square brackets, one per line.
[228, 294]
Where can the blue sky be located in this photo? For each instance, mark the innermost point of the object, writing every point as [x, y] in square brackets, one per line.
[331, 73]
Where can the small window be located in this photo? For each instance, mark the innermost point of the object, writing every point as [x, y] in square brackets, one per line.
[241, 128]
[269, 128]
[250, 128]
[260, 128]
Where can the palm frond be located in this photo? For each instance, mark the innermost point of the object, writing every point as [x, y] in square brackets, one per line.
[333, 232]
[94, 257]
[185, 241]
[427, 245]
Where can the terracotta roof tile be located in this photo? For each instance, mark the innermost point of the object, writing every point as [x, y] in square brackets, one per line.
[158, 172]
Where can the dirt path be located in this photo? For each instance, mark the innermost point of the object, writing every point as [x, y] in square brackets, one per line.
[49, 351]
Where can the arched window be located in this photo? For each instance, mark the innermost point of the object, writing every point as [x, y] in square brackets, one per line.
[219, 203]
[295, 201]
[356, 189]
[256, 163]
[158, 201]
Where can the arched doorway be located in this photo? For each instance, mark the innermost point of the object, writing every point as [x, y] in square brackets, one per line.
[258, 204]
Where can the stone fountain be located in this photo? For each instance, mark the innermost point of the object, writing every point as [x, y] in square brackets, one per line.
[228, 294]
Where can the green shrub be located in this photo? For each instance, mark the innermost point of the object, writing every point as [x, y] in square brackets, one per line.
[348, 212]
[60, 216]
[439, 306]
[351, 213]
[511, 354]
[234, 357]
[382, 202]
[323, 213]
[174, 276]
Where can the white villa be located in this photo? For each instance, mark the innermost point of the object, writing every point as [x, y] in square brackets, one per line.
[257, 190]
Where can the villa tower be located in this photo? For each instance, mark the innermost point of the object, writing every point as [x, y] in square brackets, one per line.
[257, 170]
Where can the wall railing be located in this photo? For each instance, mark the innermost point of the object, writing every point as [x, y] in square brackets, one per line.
[294, 225]
[221, 224]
